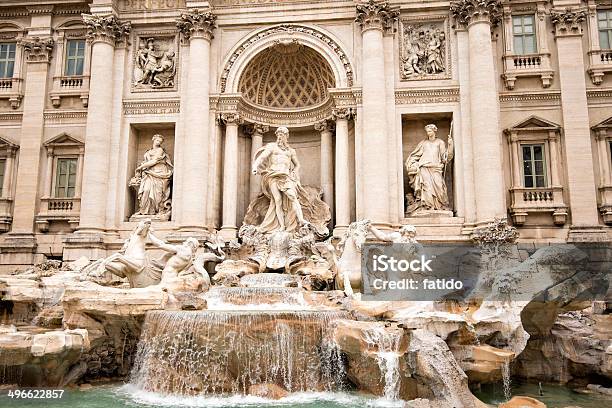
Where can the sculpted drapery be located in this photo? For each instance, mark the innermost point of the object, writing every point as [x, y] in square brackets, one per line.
[153, 181]
[426, 167]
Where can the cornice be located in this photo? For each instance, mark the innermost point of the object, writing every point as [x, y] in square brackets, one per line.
[433, 95]
[151, 107]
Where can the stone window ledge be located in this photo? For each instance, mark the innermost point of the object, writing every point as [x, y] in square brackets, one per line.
[58, 209]
[10, 88]
[70, 86]
[600, 64]
[605, 208]
[529, 65]
[538, 200]
[6, 216]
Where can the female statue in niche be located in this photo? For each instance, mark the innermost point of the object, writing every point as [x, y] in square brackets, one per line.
[152, 182]
[426, 167]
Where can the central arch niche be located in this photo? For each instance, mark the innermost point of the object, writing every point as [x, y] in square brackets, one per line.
[287, 76]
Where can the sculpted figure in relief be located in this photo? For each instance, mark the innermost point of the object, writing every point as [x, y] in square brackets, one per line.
[154, 68]
[426, 168]
[152, 182]
[424, 48]
[284, 205]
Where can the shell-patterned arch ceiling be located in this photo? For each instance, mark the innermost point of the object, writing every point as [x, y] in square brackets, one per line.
[287, 75]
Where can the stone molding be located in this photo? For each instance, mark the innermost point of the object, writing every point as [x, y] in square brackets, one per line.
[197, 23]
[161, 107]
[467, 12]
[106, 28]
[38, 50]
[11, 117]
[288, 29]
[62, 117]
[377, 15]
[568, 22]
[412, 96]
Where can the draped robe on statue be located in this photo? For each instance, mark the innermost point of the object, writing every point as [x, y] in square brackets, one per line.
[425, 167]
[262, 211]
[154, 189]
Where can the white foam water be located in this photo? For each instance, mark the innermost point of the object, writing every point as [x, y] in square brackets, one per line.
[386, 343]
[256, 298]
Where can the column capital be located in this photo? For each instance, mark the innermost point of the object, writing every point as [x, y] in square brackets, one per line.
[106, 28]
[230, 118]
[324, 125]
[343, 113]
[568, 22]
[376, 15]
[254, 129]
[39, 50]
[197, 23]
[473, 11]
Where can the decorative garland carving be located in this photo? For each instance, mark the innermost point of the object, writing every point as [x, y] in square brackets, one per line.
[377, 15]
[469, 11]
[106, 28]
[197, 23]
[568, 21]
[288, 29]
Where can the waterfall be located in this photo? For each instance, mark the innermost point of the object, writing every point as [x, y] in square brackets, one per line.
[386, 343]
[226, 352]
[505, 371]
[255, 298]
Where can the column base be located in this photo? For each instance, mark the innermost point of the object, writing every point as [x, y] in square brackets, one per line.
[18, 251]
[90, 245]
[228, 233]
[595, 233]
[340, 230]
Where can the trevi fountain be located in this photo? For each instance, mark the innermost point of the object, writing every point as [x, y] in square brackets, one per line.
[174, 288]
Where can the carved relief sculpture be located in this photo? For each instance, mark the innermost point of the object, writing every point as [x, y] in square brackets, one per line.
[426, 167]
[152, 183]
[423, 50]
[155, 64]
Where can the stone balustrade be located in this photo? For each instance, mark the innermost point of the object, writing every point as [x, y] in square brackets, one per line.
[58, 210]
[538, 200]
[529, 65]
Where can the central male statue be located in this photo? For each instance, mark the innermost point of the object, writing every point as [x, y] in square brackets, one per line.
[279, 167]
[284, 205]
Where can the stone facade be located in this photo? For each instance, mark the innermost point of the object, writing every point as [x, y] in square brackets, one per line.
[524, 88]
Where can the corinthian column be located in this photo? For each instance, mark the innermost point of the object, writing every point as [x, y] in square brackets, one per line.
[103, 32]
[580, 174]
[38, 52]
[197, 28]
[230, 175]
[373, 17]
[256, 131]
[325, 128]
[480, 16]
[343, 192]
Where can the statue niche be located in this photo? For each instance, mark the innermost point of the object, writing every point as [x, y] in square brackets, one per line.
[427, 167]
[155, 64]
[151, 182]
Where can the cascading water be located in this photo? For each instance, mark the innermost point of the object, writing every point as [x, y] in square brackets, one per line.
[386, 343]
[226, 352]
[256, 298]
[505, 371]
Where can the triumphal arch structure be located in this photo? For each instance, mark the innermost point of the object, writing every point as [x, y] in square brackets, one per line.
[445, 116]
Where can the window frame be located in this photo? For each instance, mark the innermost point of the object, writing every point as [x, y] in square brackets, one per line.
[607, 30]
[56, 176]
[4, 75]
[523, 35]
[534, 176]
[68, 58]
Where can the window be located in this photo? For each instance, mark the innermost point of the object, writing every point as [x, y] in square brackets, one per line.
[604, 23]
[523, 30]
[533, 165]
[65, 177]
[75, 57]
[7, 59]
[2, 171]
